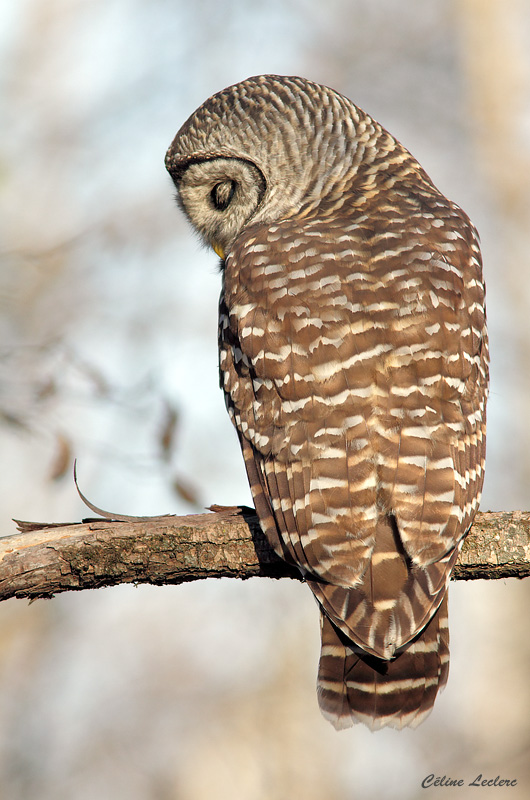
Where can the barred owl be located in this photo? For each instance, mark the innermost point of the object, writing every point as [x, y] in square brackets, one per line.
[354, 363]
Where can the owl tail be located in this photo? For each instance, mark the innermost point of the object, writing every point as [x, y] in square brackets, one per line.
[356, 687]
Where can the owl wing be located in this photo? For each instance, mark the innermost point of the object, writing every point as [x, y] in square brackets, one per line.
[358, 395]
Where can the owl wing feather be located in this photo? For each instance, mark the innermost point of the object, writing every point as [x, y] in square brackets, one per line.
[362, 436]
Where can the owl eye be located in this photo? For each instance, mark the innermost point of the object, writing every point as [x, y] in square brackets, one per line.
[222, 194]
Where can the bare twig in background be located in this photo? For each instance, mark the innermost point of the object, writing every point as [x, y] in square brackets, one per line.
[46, 559]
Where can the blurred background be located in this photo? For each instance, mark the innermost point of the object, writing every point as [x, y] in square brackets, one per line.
[108, 354]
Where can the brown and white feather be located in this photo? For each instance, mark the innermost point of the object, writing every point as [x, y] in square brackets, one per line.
[354, 362]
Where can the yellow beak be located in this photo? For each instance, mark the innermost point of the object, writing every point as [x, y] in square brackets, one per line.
[219, 250]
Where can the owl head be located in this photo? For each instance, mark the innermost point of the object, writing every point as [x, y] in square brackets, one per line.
[264, 149]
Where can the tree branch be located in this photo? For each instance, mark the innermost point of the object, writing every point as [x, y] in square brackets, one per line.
[43, 560]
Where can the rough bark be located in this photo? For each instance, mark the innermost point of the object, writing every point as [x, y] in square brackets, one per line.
[43, 560]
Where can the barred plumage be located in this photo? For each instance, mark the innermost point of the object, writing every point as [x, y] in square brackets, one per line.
[354, 361]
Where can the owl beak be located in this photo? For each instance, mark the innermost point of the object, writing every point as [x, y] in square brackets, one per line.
[219, 250]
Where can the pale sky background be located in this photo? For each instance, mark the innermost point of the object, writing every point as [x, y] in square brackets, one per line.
[108, 318]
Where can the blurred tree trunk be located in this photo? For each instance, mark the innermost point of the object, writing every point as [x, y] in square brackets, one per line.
[495, 52]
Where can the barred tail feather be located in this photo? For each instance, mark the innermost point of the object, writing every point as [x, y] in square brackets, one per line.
[356, 687]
